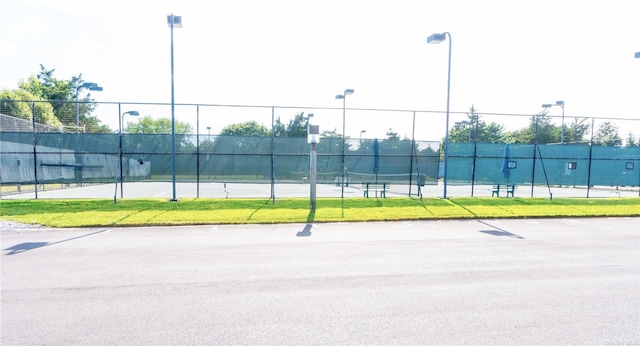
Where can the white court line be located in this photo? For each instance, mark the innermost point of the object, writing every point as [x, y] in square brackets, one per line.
[162, 194]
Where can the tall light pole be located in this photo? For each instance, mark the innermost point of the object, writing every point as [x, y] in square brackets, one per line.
[87, 85]
[120, 122]
[313, 137]
[435, 39]
[209, 133]
[560, 104]
[343, 97]
[361, 132]
[174, 22]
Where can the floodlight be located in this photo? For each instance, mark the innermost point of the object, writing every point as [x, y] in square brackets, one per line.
[436, 38]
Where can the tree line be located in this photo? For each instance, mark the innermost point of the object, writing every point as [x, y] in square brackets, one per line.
[54, 104]
[540, 130]
[55, 107]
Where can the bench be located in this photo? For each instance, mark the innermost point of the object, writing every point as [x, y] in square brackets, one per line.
[509, 189]
[375, 187]
[338, 180]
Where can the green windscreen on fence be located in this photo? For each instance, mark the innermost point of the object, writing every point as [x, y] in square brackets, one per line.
[100, 158]
[490, 163]
[62, 142]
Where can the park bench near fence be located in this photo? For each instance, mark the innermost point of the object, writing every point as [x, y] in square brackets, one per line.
[339, 180]
[376, 187]
[507, 188]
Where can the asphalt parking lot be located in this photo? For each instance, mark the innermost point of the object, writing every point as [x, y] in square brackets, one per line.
[540, 281]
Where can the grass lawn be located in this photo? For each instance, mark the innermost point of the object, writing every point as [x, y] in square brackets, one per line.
[141, 212]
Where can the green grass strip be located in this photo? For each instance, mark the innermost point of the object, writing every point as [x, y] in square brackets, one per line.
[148, 212]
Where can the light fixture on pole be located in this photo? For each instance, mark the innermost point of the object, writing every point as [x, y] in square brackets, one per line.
[560, 104]
[435, 39]
[209, 133]
[120, 123]
[361, 132]
[343, 97]
[309, 116]
[87, 85]
[174, 22]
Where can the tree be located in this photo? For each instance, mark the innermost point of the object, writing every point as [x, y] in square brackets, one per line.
[631, 140]
[279, 128]
[297, 127]
[539, 128]
[17, 103]
[461, 132]
[576, 130]
[491, 133]
[162, 126]
[476, 129]
[238, 137]
[392, 136]
[607, 135]
[155, 133]
[331, 134]
[47, 87]
[61, 94]
[248, 128]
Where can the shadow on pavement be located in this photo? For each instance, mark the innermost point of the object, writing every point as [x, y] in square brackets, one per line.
[23, 247]
[306, 231]
[499, 232]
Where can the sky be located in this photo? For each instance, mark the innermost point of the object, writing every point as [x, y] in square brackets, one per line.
[507, 57]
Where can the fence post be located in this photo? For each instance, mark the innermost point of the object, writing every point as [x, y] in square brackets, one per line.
[535, 144]
[413, 150]
[197, 151]
[590, 158]
[119, 174]
[475, 154]
[35, 151]
[273, 145]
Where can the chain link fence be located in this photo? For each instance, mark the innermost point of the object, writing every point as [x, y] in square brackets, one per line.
[101, 149]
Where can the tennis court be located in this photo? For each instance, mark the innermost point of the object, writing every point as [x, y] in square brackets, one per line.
[251, 190]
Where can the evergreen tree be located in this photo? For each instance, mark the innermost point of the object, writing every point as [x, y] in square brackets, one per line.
[475, 129]
[607, 135]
